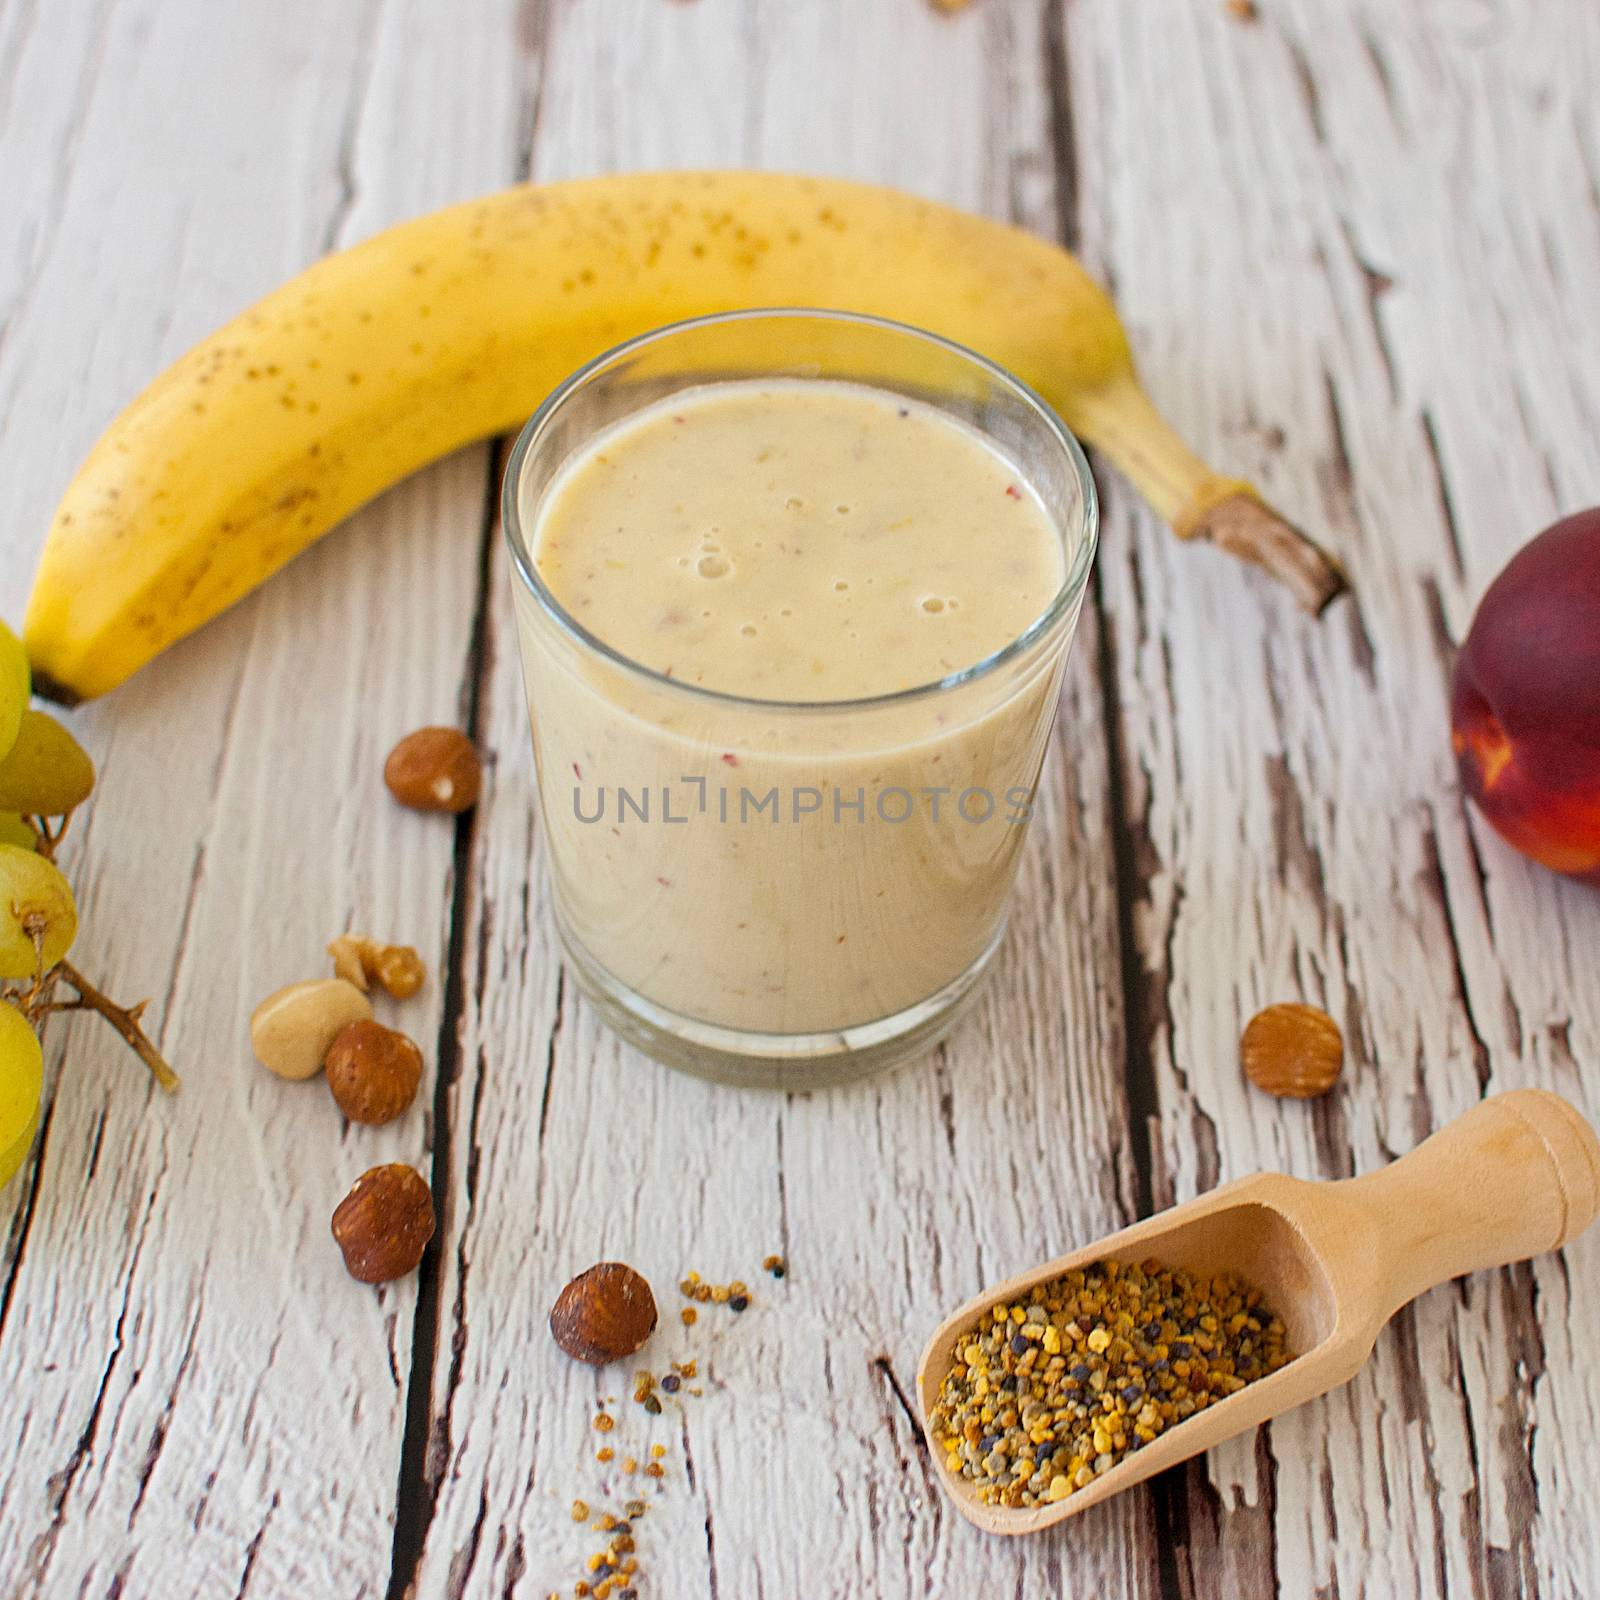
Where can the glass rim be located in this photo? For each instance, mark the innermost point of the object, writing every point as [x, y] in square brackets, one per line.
[1072, 586]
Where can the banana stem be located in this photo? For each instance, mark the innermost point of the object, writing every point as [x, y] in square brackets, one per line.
[1119, 418]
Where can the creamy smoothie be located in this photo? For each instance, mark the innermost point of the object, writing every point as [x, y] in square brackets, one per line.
[798, 541]
[790, 861]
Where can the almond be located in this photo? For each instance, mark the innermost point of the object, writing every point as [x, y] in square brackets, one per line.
[1292, 1050]
[434, 769]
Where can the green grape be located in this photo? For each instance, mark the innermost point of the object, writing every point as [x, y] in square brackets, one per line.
[16, 684]
[14, 830]
[33, 895]
[21, 1078]
[46, 772]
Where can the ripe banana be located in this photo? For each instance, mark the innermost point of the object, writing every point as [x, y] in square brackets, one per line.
[453, 327]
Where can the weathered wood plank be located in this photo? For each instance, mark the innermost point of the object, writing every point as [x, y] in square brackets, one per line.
[1356, 246]
[198, 1400]
[799, 1471]
[1356, 250]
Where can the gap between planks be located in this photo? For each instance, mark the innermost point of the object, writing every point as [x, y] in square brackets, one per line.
[417, 1486]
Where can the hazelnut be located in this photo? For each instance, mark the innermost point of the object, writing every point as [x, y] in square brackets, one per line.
[292, 1029]
[373, 1071]
[604, 1314]
[384, 1224]
[434, 769]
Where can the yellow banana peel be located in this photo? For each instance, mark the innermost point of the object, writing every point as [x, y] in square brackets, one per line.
[455, 326]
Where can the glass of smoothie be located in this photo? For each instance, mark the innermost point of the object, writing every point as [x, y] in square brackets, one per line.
[793, 592]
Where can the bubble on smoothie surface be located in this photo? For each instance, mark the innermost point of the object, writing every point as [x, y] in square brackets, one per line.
[710, 566]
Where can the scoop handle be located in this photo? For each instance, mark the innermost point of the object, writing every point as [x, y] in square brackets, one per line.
[1517, 1175]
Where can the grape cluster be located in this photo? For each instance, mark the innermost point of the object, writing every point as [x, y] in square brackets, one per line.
[44, 777]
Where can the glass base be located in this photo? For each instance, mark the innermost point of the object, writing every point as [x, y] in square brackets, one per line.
[788, 1061]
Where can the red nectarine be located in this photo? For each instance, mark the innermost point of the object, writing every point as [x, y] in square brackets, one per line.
[1525, 707]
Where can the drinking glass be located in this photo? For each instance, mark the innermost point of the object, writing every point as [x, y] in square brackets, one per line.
[781, 893]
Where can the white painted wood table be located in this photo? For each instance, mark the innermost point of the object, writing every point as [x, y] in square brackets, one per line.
[1358, 248]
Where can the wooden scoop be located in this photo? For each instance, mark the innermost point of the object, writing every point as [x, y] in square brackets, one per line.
[1516, 1176]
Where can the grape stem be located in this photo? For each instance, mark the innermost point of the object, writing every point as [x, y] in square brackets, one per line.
[46, 837]
[36, 1003]
[125, 1019]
